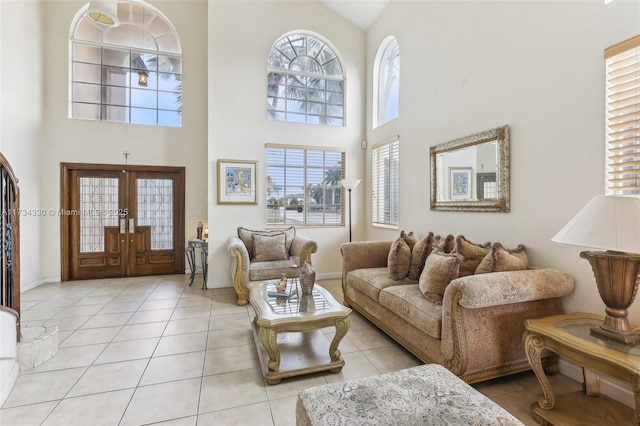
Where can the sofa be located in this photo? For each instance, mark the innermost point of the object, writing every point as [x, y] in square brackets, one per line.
[475, 329]
[258, 255]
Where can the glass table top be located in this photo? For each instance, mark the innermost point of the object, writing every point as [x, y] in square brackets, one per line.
[582, 329]
[293, 300]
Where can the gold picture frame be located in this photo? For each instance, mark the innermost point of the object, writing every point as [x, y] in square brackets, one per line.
[237, 182]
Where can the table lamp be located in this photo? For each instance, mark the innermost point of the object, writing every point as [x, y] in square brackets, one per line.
[611, 223]
[350, 184]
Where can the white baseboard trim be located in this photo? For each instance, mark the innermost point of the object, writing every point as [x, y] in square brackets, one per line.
[613, 388]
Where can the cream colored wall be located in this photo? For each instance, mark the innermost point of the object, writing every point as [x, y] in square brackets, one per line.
[240, 36]
[536, 66]
[21, 119]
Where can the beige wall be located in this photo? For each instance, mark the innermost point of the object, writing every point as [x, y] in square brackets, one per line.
[536, 66]
[240, 36]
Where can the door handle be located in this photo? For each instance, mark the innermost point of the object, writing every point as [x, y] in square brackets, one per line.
[123, 226]
[132, 226]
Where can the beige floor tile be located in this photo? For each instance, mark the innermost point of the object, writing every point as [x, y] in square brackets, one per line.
[108, 320]
[284, 411]
[76, 356]
[165, 294]
[345, 346]
[229, 337]
[94, 299]
[499, 386]
[43, 387]
[369, 338]
[194, 302]
[223, 360]
[356, 365]
[292, 385]
[247, 415]
[140, 331]
[40, 314]
[68, 324]
[203, 312]
[91, 336]
[391, 358]
[128, 350]
[181, 343]
[518, 403]
[27, 415]
[157, 315]
[183, 421]
[96, 410]
[189, 325]
[173, 367]
[234, 389]
[119, 306]
[226, 308]
[109, 377]
[78, 310]
[222, 322]
[153, 305]
[162, 402]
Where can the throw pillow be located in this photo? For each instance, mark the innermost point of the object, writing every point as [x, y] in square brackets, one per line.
[409, 238]
[419, 254]
[448, 244]
[472, 253]
[500, 259]
[439, 269]
[270, 247]
[398, 259]
[246, 235]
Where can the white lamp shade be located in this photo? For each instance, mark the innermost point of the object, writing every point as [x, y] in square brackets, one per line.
[607, 222]
[350, 184]
[104, 12]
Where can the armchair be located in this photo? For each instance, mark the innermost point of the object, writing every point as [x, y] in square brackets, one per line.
[249, 264]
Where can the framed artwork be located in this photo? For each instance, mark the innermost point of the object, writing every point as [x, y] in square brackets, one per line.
[237, 182]
[460, 183]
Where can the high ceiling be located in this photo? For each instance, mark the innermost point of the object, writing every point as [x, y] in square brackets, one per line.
[362, 13]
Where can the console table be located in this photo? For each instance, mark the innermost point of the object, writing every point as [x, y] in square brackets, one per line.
[569, 335]
[203, 245]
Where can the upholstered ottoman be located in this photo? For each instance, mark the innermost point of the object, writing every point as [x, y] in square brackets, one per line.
[425, 395]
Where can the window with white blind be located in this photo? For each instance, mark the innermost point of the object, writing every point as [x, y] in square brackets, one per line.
[623, 117]
[386, 183]
[303, 186]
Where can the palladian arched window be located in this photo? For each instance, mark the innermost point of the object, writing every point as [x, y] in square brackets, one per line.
[131, 72]
[387, 81]
[305, 81]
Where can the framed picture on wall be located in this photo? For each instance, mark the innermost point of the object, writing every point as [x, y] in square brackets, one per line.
[460, 183]
[237, 182]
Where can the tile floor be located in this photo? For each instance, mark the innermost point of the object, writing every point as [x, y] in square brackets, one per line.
[153, 350]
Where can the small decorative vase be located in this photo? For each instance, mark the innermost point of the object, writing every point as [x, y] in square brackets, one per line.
[307, 277]
[199, 229]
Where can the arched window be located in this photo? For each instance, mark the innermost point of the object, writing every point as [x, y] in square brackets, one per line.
[305, 83]
[387, 84]
[130, 73]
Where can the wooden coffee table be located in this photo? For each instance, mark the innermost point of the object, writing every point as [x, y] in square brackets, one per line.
[287, 332]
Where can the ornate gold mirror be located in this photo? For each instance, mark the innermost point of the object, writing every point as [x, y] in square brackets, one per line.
[472, 173]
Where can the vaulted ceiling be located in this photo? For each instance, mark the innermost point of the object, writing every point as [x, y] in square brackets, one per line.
[362, 13]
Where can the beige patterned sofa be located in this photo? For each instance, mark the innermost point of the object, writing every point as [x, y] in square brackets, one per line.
[476, 331]
[258, 255]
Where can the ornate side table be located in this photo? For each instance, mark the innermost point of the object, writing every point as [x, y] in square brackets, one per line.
[569, 336]
[190, 251]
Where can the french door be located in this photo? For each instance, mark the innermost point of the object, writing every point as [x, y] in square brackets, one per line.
[121, 221]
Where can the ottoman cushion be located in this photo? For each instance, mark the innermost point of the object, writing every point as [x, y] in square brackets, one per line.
[425, 395]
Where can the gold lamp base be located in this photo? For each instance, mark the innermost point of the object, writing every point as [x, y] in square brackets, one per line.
[616, 276]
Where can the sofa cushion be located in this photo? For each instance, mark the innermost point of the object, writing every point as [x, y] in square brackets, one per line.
[399, 259]
[260, 271]
[448, 244]
[419, 254]
[500, 259]
[472, 253]
[439, 269]
[370, 281]
[270, 247]
[246, 235]
[409, 238]
[408, 302]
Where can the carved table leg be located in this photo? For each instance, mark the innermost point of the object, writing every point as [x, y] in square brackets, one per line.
[342, 327]
[533, 345]
[268, 338]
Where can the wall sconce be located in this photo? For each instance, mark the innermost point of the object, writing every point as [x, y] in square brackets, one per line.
[143, 78]
[104, 12]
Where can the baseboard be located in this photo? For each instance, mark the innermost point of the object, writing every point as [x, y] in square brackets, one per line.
[613, 388]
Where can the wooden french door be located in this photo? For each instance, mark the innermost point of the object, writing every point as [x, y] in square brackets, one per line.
[121, 221]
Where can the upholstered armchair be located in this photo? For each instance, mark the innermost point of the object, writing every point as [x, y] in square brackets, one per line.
[264, 255]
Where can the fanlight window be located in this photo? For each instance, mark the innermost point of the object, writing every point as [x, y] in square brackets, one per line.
[305, 82]
[387, 96]
[130, 73]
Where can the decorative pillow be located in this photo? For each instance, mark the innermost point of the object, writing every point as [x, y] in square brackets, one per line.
[439, 269]
[409, 238]
[398, 259]
[500, 259]
[246, 235]
[448, 244]
[270, 247]
[472, 253]
[419, 254]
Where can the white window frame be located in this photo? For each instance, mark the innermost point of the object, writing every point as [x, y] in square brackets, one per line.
[385, 183]
[623, 118]
[293, 174]
[386, 83]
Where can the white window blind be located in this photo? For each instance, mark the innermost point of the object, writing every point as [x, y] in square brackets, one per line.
[386, 183]
[623, 117]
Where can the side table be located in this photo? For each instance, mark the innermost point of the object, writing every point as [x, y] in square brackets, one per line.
[190, 251]
[569, 336]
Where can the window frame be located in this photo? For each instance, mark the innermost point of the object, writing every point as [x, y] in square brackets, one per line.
[622, 104]
[291, 216]
[385, 203]
[383, 81]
